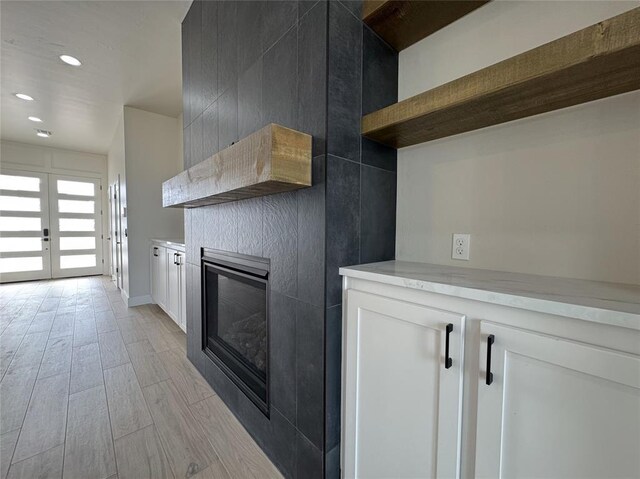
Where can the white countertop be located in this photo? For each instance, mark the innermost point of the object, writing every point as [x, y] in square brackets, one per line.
[611, 303]
[170, 242]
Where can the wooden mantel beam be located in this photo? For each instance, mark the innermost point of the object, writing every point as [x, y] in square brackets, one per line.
[272, 160]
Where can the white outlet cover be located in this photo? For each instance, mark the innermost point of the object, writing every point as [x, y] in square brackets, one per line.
[461, 246]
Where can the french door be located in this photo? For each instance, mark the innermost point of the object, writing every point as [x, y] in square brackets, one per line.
[50, 226]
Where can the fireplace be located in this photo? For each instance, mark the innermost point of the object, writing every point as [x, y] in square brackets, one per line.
[235, 320]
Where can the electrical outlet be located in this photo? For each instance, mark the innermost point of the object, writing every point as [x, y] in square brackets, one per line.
[461, 246]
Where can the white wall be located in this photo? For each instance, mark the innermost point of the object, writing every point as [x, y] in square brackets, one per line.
[35, 158]
[557, 194]
[146, 151]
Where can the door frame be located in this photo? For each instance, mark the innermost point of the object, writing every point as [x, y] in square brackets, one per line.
[115, 232]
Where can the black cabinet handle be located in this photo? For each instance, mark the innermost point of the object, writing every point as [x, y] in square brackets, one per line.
[447, 360]
[155, 251]
[175, 260]
[490, 340]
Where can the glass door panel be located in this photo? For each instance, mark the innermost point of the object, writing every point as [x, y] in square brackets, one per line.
[76, 226]
[24, 226]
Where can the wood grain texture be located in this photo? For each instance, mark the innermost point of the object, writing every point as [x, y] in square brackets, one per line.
[10, 341]
[191, 385]
[596, 62]
[105, 321]
[237, 450]
[86, 369]
[31, 349]
[44, 424]
[127, 408]
[38, 408]
[89, 446]
[15, 391]
[7, 446]
[84, 330]
[160, 338]
[401, 23]
[140, 456]
[112, 350]
[132, 329]
[62, 325]
[187, 449]
[57, 357]
[272, 160]
[47, 465]
[146, 363]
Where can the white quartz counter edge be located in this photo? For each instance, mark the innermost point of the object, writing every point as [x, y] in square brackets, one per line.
[173, 244]
[555, 307]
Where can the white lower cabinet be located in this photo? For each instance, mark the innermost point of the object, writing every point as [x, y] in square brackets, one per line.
[173, 285]
[159, 275]
[168, 282]
[528, 394]
[556, 408]
[403, 367]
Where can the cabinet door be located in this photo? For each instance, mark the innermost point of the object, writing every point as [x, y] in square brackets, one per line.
[154, 273]
[173, 285]
[159, 275]
[183, 293]
[401, 403]
[556, 408]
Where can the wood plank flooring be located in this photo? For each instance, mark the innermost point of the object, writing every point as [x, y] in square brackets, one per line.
[92, 389]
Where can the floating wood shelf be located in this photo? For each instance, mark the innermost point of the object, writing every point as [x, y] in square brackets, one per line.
[272, 160]
[599, 61]
[404, 22]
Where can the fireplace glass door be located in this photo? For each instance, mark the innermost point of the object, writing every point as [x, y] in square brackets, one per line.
[236, 324]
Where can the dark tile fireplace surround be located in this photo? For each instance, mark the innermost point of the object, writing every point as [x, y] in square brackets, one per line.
[314, 67]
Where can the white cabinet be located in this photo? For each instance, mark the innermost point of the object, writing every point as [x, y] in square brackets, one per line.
[403, 367]
[159, 275]
[173, 285]
[183, 293]
[562, 398]
[556, 408]
[168, 281]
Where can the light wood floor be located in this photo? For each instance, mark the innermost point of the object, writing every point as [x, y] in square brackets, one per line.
[92, 389]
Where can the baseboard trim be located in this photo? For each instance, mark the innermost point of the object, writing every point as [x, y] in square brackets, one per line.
[136, 300]
[139, 300]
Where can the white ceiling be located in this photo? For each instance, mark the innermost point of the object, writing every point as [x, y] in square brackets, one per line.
[130, 53]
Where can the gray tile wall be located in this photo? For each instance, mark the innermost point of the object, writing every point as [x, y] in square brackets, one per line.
[361, 181]
[246, 64]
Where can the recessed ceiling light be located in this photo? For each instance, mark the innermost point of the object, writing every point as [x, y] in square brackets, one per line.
[24, 96]
[69, 60]
[35, 118]
[43, 133]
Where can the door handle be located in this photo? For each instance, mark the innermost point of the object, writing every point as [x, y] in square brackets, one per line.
[447, 359]
[178, 260]
[155, 251]
[490, 340]
[175, 261]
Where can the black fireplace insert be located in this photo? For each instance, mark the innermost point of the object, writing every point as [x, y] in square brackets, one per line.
[235, 320]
